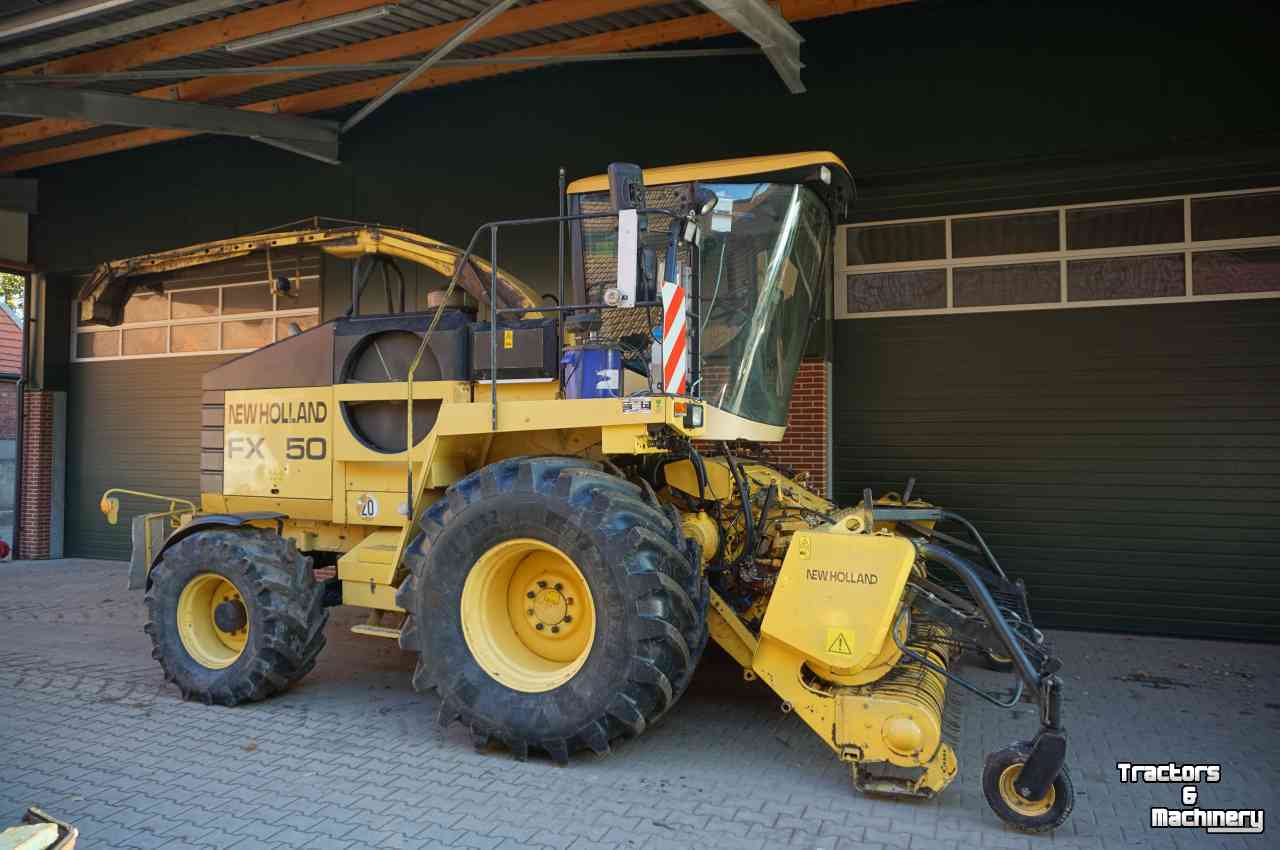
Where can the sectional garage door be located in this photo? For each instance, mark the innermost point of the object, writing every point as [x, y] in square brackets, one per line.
[1124, 461]
[134, 390]
[1097, 385]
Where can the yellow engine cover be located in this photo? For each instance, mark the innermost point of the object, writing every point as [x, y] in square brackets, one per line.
[837, 595]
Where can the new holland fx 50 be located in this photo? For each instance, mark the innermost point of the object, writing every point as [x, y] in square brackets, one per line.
[557, 506]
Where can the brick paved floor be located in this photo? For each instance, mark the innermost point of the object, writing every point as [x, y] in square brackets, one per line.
[351, 758]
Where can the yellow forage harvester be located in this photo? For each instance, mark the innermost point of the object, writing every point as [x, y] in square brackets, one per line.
[557, 505]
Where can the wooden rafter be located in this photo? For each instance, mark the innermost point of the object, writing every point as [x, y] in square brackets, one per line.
[631, 38]
[549, 13]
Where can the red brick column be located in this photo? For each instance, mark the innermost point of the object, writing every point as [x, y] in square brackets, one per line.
[37, 475]
[804, 448]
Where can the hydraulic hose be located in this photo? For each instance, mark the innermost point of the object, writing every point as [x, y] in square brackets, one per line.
[968, 573]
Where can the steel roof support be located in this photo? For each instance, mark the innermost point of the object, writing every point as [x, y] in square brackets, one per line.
[307, 136]
[765, 25]
[436, 55]
[392, 66]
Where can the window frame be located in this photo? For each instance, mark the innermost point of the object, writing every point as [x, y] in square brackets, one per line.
[220, 318]
[1188, 247]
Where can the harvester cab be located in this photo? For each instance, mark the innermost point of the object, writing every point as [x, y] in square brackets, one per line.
[557, 505]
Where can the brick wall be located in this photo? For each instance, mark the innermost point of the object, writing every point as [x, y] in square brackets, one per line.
[805, 446]
[37, 479]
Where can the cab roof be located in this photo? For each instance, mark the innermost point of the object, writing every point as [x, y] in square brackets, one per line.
[802, 168]
[777, 167]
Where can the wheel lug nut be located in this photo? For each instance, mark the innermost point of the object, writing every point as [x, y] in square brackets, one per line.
[529, 612]
[539, 627]
[555, 630]
[530, 594]
[568, 618]
[542, 583]
[559, 586]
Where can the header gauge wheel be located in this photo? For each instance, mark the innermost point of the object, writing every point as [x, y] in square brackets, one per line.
[234, 615]
[999, 785]
[552, 607]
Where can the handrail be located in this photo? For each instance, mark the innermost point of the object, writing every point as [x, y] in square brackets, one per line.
[109, 504]
[492, 228]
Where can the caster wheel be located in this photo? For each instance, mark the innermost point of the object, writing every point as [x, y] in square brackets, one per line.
[999, 784]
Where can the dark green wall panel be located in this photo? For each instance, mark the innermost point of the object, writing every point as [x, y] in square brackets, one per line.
[134, 424]
[1125, 461]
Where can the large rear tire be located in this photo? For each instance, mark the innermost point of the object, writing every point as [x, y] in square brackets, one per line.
[234, 615]
[531, 545]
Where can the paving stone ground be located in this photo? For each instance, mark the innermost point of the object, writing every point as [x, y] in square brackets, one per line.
[352, 757]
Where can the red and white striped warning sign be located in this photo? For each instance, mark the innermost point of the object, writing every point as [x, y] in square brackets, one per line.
[674, 351]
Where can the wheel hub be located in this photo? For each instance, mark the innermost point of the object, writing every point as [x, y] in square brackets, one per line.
[230, 616]
[1019, 803]
[527, 615]
[213, 621]
[550, 606]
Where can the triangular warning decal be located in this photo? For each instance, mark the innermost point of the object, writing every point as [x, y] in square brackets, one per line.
[840, 646]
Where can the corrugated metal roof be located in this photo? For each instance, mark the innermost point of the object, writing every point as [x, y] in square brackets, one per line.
[410, 15]
[101, 19]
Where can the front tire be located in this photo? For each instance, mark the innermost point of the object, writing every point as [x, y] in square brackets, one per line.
[500, 561]
[234, 615]
[999, 778]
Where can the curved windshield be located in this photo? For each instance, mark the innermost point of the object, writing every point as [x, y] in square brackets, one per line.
[763, 262]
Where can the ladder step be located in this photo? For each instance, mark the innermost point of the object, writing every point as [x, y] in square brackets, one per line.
[376, 631]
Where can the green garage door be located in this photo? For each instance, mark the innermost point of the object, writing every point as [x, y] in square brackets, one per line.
[134, 424]
[133, 393]
[1125, 461]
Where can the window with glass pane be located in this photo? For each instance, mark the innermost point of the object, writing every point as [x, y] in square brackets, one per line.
[896, 243]
[144, 341]
[993, 235]
[1244, 270]
[283, 329]
[1236, 216]
[103, 344]
[1124, 224]
[1158, 276]
[146, 307]
[185, 338]
[992, 286]
[195, 303]
[253, 298]
[253, 333]
[905, 290]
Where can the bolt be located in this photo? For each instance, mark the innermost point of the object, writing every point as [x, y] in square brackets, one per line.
[529, 612]
[559, 586]
[568, 600]
[531, 594]
[555, 630]
[568, 618]
[539, 627]
[541, 583]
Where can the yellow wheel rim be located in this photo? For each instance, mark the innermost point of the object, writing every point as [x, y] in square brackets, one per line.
[1019, 803]
[527, 615]
[209, 645]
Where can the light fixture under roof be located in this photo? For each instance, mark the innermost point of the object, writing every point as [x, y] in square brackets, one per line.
[309, 28]
[61, 13]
